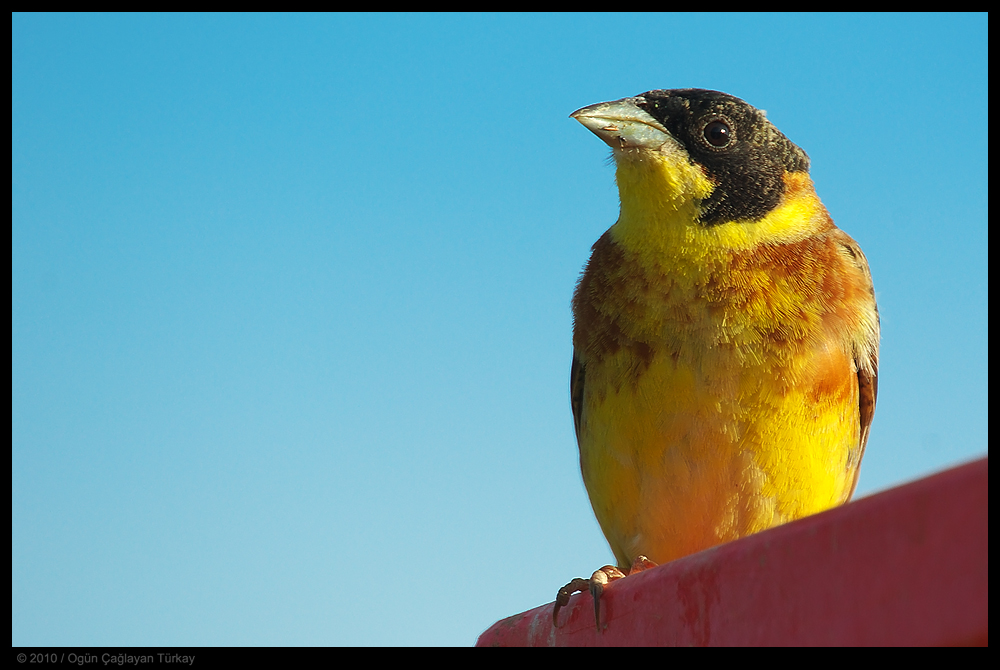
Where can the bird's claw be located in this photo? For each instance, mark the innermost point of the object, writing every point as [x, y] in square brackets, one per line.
[595, 585]
[562, 597]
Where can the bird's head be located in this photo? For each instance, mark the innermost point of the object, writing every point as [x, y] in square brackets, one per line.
[700, 158]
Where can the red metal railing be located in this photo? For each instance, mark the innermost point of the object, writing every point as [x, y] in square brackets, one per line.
[908, 566]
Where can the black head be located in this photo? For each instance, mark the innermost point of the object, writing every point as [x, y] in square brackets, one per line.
[741, 152]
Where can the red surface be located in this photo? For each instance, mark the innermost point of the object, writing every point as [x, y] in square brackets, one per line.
[907, 566]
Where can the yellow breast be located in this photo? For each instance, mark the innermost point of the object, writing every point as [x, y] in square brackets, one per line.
[721, 373]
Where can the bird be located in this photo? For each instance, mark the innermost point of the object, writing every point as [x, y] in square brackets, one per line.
[725, 336]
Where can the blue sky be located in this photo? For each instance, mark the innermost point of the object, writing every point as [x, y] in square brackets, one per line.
[290, 323]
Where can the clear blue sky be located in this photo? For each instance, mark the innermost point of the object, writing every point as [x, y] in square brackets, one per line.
[290, 323]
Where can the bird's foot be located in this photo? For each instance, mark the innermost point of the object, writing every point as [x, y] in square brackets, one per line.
[595, 585]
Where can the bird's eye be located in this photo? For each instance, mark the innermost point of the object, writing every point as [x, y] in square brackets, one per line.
[718, 134]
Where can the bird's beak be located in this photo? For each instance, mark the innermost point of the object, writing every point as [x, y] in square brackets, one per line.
[622, 124]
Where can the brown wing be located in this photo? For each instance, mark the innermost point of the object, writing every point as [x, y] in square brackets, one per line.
[867, 393]
[577, 372]
[865, 358]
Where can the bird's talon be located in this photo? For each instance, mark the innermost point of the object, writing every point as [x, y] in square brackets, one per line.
[596, 590]
[639, 564]
[562, 597]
